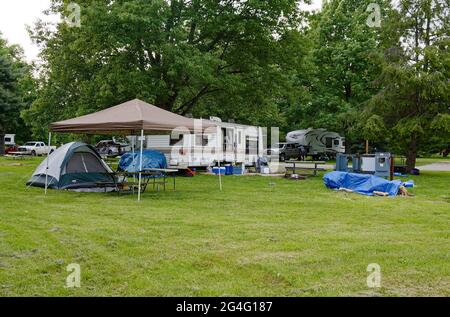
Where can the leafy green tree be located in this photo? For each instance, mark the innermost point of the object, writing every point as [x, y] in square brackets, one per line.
[15, 90]
[413, 103]
[202, 57]
[344, 66]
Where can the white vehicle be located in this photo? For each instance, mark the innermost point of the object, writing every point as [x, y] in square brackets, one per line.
[10, 139]
[36, 148]
[240, 144]
[318, 142]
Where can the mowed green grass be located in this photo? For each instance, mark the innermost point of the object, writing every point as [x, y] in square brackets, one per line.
[261, 236]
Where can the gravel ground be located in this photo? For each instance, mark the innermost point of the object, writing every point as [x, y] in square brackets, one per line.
[439, 167]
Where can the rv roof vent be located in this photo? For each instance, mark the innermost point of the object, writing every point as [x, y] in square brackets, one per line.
[231, 121]
[216, 119]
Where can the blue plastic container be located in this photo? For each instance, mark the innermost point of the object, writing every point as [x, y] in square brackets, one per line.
[228, 170]
[237, 170]
[409, 184]
[216, 170]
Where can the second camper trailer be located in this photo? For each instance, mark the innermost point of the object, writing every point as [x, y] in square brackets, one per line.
[318, 142]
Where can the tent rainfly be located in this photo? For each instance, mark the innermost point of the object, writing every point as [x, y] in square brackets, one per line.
[129, 118]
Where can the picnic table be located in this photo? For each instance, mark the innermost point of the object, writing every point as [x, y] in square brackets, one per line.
[16, 155]
[122, 185]
[315, 169]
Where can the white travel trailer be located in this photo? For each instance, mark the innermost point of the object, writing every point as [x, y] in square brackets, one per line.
[10, 139]
[318, 142]
[239, 144]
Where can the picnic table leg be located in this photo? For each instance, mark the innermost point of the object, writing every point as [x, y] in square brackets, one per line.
[146, 184]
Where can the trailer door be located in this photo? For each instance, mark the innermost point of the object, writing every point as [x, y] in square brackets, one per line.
[240, 146]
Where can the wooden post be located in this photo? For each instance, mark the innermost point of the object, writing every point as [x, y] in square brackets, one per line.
[367, 146]
[392, 168]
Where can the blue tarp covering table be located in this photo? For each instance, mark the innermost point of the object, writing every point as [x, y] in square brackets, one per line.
[361, 183]
[129, 162]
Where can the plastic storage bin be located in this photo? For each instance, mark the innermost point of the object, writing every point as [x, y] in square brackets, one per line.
[216, 170]
[237, 170]
[228, 170]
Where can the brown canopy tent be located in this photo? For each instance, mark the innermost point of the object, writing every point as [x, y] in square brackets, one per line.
[129, 118]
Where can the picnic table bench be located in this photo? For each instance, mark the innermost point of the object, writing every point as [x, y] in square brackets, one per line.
[315, 169]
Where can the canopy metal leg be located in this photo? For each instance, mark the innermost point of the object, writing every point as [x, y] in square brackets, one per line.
[219, 134]
[134, 161]
[140, 165]
[48, 158]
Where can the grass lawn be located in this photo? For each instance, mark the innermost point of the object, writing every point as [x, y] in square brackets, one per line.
[261, 236]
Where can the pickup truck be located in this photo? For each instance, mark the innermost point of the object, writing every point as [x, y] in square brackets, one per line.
[36, 148]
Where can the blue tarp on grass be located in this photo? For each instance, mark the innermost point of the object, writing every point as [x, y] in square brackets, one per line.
[361, 183]
[150, 159]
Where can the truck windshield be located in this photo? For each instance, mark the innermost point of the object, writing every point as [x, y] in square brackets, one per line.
[281, 145]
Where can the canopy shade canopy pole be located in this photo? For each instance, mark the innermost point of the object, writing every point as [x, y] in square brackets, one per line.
[140, 165]
[218, 143]
[48, 158]
[133, 140]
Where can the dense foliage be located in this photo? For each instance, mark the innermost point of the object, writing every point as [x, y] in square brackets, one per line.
[260, 62]
[16, 91]
[230, 58]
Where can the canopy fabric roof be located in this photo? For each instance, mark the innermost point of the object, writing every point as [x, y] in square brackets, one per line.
[129, 117]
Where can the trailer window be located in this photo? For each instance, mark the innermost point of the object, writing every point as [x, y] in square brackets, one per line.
[329, 142]
[7, 139]
[251, 146]
[201, 140]
[174, 139]
[336, 142]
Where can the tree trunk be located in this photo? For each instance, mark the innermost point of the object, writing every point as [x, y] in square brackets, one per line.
[2, 143]
[348, 146]
[411, 155]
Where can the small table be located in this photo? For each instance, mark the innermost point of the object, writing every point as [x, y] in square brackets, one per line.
[147, 174]
[164, 172]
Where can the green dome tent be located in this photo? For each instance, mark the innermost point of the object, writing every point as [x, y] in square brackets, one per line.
[74, 166]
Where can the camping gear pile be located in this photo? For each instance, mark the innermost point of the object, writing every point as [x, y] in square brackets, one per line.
[364, 184]
[73, 166]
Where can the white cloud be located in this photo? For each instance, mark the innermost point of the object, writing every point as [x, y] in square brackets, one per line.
[15, 15]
